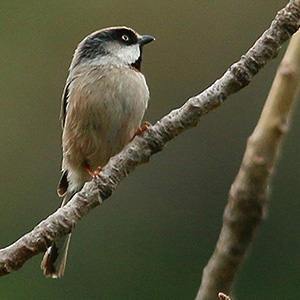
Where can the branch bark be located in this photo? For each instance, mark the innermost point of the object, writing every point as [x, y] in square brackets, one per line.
[249, 193]
[152, 141]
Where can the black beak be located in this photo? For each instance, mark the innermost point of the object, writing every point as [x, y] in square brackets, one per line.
[145, 39]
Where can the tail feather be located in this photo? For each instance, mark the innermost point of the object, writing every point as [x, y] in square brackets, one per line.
[55, 258]
[54, 261]
[63, 184]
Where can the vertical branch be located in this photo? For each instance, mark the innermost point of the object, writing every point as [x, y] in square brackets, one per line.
[249, 192]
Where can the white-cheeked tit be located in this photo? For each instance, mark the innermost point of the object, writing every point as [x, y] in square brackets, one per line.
[102, 108]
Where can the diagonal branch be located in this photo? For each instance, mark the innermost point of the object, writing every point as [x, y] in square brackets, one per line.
[249, 193]
[152, 141]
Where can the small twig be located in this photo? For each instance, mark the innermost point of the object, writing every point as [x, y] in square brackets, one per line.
[223, 296]
[153, 140]
[249, 192]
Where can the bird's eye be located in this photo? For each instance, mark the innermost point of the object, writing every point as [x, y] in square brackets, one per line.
[125, 38]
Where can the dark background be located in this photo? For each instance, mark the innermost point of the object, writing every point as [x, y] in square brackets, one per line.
[152, 239]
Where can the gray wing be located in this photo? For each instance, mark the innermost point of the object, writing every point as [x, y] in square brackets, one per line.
[63, 182]
[64, 102]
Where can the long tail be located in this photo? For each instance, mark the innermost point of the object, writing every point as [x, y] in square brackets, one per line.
[54, 260]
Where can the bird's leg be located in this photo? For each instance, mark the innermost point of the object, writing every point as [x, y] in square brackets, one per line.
[93, 173]
[141, 129]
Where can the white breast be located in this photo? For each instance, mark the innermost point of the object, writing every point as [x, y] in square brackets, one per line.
[106, 106]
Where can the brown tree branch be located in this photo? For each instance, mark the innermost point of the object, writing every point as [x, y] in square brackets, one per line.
[153, 140]
[249, 192]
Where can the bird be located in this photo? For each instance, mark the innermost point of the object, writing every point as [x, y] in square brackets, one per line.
[102, 108]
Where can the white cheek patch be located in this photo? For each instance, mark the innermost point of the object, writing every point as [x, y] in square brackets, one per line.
[129, 54]
[119, 54]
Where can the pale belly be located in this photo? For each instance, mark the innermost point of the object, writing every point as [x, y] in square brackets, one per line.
[99, 124]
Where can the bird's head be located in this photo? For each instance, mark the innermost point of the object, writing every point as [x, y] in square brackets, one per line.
[112, 46]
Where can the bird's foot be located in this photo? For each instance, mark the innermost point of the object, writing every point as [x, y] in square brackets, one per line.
[141, 129]
[93, 173]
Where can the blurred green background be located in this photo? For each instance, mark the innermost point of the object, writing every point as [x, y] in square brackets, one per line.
[152, 239]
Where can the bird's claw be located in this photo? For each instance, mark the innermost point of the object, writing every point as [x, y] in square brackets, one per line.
[141, 129]
[95, 173]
